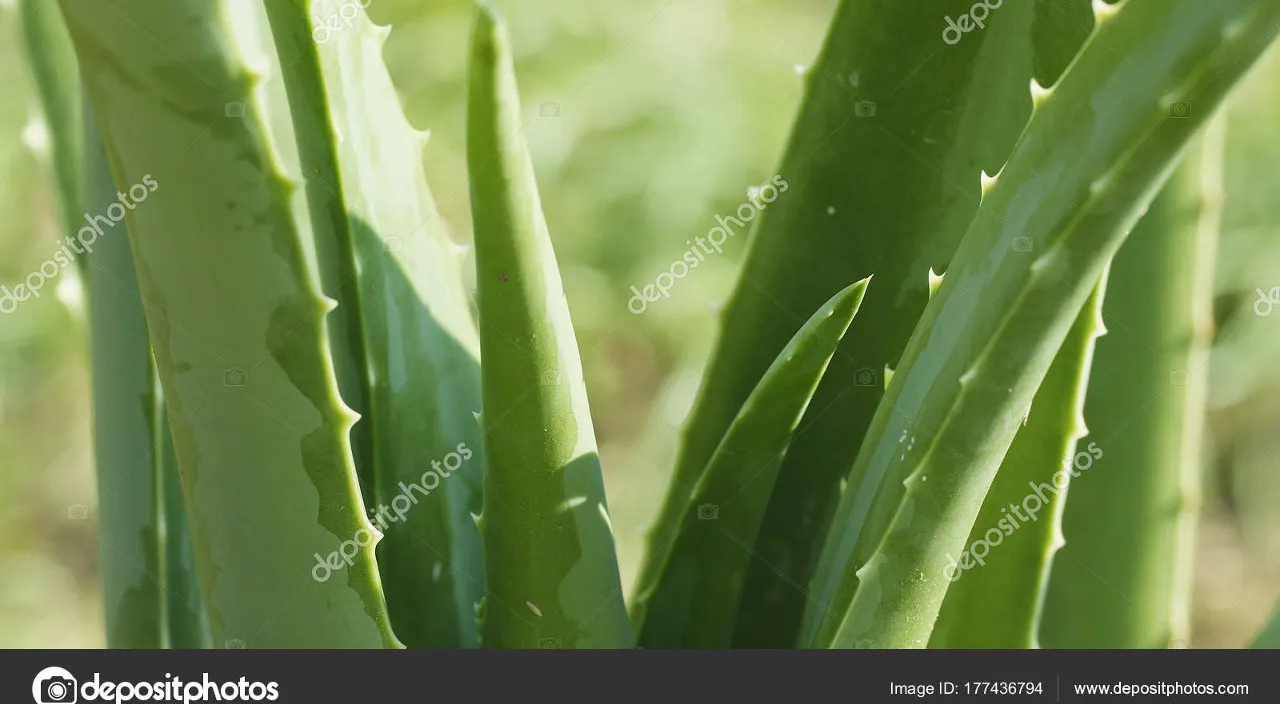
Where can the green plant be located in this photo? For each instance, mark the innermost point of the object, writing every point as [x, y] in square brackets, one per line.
[317, 354]
[986, 340]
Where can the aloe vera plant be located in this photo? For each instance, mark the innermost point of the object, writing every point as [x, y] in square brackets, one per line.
[366, 462]
[915, 125]
[1017, 282]
[1130, 525]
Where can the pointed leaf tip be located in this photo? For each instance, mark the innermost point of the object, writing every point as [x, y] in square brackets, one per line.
[489, 41]
[846, 303]
[739, 493]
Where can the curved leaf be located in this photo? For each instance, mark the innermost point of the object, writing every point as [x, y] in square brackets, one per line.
[698, 583]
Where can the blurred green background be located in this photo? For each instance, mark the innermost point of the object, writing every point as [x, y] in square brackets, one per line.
[646, 119]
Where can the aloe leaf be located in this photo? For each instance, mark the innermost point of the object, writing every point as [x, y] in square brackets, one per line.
[413, 349]
[694, 601]
[150, 589]
[1026, 518]
[1073, 188]
[151, 594]
[1123, 579]
[238, 329]
[53, 63]
[549, 551]
[128, 460]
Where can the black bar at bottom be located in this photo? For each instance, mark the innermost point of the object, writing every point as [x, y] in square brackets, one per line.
[597, 677]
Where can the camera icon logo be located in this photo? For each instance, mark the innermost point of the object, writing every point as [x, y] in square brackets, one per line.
[708, 512]
[77, 512]
[866, 377]
[235, 377]
[864, 108]
[1180, 110]
[236, 109]
[54, 685]
[549, 108]
[1022, 244]
[549, 644]
[1179, 377]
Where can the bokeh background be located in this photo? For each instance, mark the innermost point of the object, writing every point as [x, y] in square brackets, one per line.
[646, 119]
